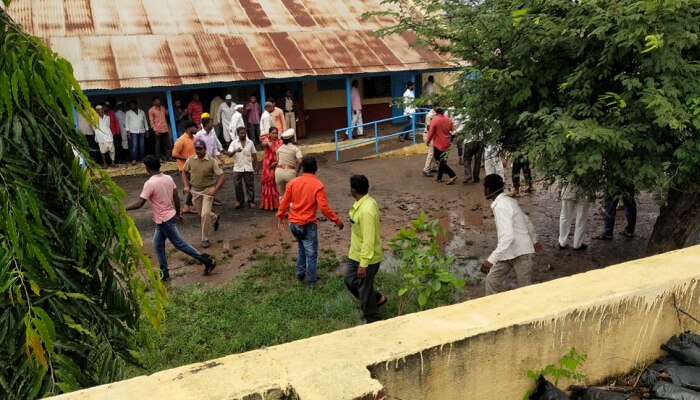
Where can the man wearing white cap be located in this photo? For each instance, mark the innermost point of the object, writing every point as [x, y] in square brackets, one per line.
[224, 115]
[236, 121]
[288, 162]
[103, 136]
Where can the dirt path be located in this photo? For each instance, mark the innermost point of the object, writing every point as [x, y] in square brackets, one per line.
[402, 192]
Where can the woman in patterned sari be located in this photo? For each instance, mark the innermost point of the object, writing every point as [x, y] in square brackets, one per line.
[268, 188]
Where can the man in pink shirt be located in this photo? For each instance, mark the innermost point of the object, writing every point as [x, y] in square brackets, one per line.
[161, 191]
[157, 117]
[278, 119]
[439, 133]
[356, 105]
[253, 110]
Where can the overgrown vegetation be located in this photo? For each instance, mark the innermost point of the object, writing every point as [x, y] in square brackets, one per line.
[72, 293]
[604, 94]
[425, 276]
[264, 306]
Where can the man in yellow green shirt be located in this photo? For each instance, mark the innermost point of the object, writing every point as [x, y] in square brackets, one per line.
[365, 250]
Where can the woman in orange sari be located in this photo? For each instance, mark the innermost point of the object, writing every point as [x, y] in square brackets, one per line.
[268, 188]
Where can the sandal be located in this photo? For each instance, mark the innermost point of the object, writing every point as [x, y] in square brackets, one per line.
[237, 205]
[603, 237]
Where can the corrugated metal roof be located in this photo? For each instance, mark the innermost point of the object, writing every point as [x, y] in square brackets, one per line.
[146, 43]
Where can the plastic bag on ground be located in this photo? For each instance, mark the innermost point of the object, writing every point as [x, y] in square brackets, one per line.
[670, 391]
[545, 390]
[600, 394]
[685, 347]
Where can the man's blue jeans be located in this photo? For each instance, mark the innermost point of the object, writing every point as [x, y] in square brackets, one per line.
[307, 253]
[168, 230]
[408, 127]
[137, 146]
[610, 208]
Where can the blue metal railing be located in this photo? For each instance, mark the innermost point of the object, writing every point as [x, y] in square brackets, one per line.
[348, 130]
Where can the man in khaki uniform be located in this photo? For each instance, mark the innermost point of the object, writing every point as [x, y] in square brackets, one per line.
[205, 180]
[288, 162]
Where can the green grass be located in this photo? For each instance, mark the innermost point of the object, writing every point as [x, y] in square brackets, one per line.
[263, 307]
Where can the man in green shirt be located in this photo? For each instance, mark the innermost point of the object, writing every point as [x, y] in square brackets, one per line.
[365, 250]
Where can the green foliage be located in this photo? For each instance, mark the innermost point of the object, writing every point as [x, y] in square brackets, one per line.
[567, 367]
[599, 93]
[423, 263]
[71, 288]
[262, 307]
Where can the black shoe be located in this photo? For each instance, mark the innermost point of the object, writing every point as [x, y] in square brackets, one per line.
[301, 277]
[165, 277]
[476, 180]
[464, 182]
[563, 247]
[216, 223]
[205, 243]
[427, 174]
[582, 247]
[209, 266]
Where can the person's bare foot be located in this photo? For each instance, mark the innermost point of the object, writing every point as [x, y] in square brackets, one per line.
[188, 210]
[251, 205]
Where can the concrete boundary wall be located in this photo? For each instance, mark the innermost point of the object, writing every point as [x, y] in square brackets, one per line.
[480, 349]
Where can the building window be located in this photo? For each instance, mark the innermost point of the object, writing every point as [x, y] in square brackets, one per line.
[376, 87]
[326, 85]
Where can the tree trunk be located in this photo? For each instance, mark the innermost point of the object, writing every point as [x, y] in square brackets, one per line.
[678, 223]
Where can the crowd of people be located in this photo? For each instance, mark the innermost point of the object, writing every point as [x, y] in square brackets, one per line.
[126, 133]
[290, 187]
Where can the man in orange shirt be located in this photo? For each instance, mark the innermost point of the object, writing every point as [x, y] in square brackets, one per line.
[278, 118]
[306, 194]
[157, 117]
[184, 149]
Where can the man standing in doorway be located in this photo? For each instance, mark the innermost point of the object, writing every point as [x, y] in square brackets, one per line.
[245, 163]
[306, 194]
[204, 181]
[356, 105]
[278, 118]
[253, 114]
[517, 240]
[290, 112]
[408, 110]
[365, 252]
[224, 115]
[120, 114]
[116, 131]
[157, 115]
[184, 149]
[103, 136]
[441, 129]
[236, 122]
[161, 191]
[181, 116]
[136, 128]
[195, 109]
[429, 86]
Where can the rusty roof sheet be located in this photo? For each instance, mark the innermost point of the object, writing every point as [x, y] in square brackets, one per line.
[148, 43]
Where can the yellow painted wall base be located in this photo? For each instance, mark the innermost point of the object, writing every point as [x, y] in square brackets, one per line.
[480, 349]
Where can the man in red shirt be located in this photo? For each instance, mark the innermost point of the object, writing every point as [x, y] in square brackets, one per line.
[195, 109]
[439, 133]
[305, 194]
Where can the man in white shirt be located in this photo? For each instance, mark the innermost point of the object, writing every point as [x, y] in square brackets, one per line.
[266, 118]
[236, 121]
[121, 117]
[408, 110]
[429, 159]
[429, 86]
[208, 135]
[517, 240]
[574, 206]
[356, 105]
[245, 163]
[224, 115]
[136, 128]
[103, 136]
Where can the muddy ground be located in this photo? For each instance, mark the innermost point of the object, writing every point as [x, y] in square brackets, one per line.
[402, 192]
